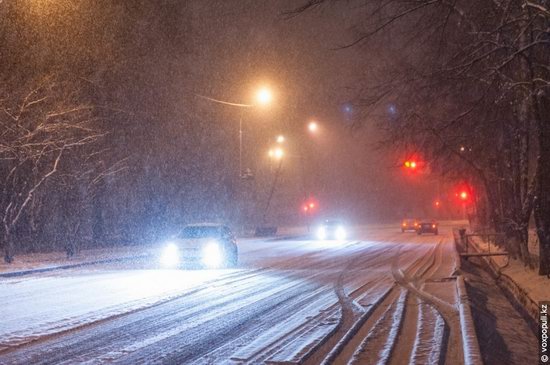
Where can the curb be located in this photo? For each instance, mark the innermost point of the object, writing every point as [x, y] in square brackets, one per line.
[287, 237]
[456, 257]
[470, 345]
[12, 274]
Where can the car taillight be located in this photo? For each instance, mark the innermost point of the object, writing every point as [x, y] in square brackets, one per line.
[433, 225]
[404, 224]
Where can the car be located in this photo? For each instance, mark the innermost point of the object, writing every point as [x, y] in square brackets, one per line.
[331, 229]
[409, 224]
[207, 245]
[427, 226]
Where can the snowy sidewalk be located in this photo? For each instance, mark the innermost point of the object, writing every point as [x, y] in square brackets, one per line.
[527, 287]
[32, 263]
[25, 264]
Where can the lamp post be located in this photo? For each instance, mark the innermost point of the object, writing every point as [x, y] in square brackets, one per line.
[263, 97]
[276, 154]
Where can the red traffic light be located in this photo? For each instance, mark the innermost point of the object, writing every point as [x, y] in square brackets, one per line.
[310, 206]
[410, 164]
[464, 194]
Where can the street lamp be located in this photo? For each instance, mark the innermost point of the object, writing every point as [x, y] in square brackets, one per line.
[263, 98]
[276, 153]
[313, 127]
[280, 139]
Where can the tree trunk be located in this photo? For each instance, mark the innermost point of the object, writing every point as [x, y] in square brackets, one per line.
[542, 200]
[523, 236]
[8, 246]
[542, 216]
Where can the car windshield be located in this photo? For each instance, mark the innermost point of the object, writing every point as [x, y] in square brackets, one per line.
[200, 232]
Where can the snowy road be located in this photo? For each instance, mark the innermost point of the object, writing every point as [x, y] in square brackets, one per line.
[386, 297]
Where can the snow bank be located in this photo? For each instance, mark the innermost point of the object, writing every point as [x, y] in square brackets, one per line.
[472, 354]
[522, 283]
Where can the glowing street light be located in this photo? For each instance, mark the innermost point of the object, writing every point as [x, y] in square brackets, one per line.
[280, 139]
[276, 153]
[313, 127]
[279, 153]
[264, 96]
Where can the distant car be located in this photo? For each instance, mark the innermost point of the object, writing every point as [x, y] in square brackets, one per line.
[409, 224]
[427, 226]
[331, 229]
[207, 245]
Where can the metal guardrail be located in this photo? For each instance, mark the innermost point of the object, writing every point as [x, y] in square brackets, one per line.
[465, 241]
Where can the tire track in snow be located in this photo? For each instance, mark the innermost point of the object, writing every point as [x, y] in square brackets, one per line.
[174, 317]
[350, 344]
[378, 345]
[445, 319]
[353, 313]
[292, 345]
[431, 333]
[16, 341]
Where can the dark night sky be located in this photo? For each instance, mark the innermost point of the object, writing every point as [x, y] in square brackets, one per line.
[299, 56]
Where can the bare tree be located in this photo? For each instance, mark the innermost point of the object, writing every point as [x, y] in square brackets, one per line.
[40, 129]
[470, 81]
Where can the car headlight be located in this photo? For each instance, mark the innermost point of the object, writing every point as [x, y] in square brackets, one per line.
[212, 255]
[170, 256]
[321, 233]
[340, 233]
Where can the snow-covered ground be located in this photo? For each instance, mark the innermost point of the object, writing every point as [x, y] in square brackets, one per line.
[288, 301]
[525, 284]
[55, 259]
